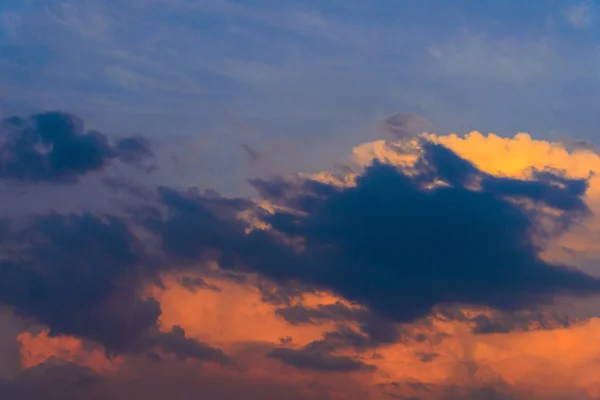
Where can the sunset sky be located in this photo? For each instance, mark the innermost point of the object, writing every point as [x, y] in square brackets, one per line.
[306, 200]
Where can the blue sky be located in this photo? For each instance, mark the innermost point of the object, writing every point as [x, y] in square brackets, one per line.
[307, 76]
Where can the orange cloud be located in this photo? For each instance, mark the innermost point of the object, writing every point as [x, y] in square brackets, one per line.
[448, 354]
[538, 364]
[36, 349]
[234, 314]
[514, 157]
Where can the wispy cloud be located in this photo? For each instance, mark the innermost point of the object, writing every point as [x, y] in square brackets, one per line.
[294, 70]
[580, 16]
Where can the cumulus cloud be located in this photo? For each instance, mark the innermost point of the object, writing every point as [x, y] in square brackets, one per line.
[395, 241]
[429, 271]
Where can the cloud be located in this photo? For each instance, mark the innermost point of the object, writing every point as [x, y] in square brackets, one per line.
[378, 329]
[54, 146]
[38, 348]
[320, 354]
[254, 155]
[135, 151]
[82, 275]
[35, 383]
[493, 321]
[346, 244]
[71, 272]
[331, 312]
[318, 360]
[465, 362]
[195, 282]
[516, 365]
[516, 157]
[402, 126]
[11, 327]
[197, 225]
[125, 64]
[421, 272]
[579, 16]
[207, 314]
[175, 342]
[382, 241]
[154, 381]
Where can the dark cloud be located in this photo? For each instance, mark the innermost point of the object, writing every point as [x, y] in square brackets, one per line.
[136, 151]
[397, 243]
[315, 359]
[193, 283]
[82, 275]
[77, 274]
[320, 354]
[281, 295]
[420, 391]
[252, 154]
[393, 242]
[54, 379]
[58, 380]
[55, 147]
[579, 144]
[524, 320]
[343, 338]
[175, 342]
[401, 126]
[10, 327]
[285, 340]
[399, 246]
[299, 314]
[197, 226]
[427, 357]
[378, 329]
[549, 188]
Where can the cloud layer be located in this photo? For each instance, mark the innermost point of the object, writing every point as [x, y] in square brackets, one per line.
[433, 268]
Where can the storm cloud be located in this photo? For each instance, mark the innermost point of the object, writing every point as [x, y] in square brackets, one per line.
[398, 245]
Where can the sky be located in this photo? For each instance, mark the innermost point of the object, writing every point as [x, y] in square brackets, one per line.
[226, 199]
[281, 76]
